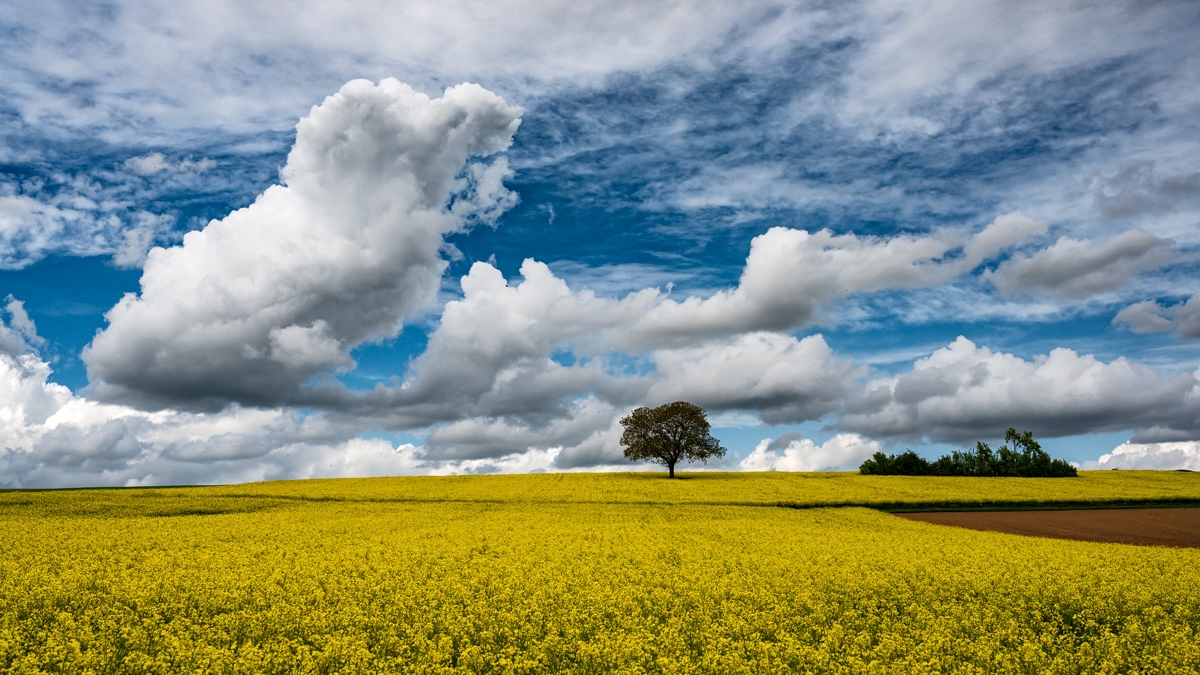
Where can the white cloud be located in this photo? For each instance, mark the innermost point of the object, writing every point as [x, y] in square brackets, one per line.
[51, 438]
[602, 449]
[782, 379]
[18, 333]
[1151, 317]
[254, 305]
[1136, 189]
[1076, 269]
[791, 452]
[963, 392]
[1187, 318]
[154, 162]
[1002, 233]
[791, 275]
[27, 399]
[617, 279]
[532, 461]
[79, 219]
[482, 195]
[138, 238]
[1158, 456]
[147, 164]
[490, 354]
[307, 347]
[28, 228]
[760, 185]
[588, 432]
[1144, 317]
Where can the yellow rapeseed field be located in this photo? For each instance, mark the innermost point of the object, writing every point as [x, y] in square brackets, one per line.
[583, 573]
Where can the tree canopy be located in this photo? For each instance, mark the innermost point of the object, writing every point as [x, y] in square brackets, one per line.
[1025, 458]
[668, 434]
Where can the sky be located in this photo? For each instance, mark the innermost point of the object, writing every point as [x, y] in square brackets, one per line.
[246, 241]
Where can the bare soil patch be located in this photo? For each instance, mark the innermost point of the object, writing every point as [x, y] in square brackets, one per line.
[1151, 527]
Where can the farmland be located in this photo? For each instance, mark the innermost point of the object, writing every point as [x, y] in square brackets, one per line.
[1153, 527]
[585, 573]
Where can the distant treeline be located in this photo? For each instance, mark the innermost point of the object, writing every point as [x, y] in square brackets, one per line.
[1025, 458]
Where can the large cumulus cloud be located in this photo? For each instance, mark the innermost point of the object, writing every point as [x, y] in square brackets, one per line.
[254, 305]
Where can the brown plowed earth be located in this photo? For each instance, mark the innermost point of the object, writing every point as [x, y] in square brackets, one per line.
[1150, 527]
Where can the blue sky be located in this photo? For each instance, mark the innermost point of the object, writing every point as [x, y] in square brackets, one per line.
[253, 241]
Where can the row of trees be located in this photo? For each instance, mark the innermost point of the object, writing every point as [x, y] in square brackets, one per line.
[680, 432]
[1025, 458]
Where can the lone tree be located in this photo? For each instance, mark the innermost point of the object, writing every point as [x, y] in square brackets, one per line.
[669, 433]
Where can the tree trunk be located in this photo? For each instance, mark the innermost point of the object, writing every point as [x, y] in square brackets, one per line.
[671, 468]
